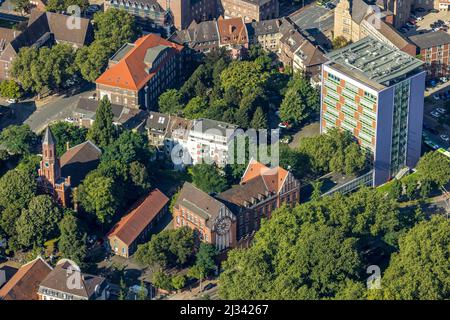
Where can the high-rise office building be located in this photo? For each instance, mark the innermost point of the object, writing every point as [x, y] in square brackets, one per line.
[376, 92]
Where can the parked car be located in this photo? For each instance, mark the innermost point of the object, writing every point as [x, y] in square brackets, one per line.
[10, 101]
[435, 114]
[441, 110]
[70, 120]
[444, 137]
[433, 11]
[419, 18]
[409, 25]
[284, 125]
[330, 6]
[443, 79]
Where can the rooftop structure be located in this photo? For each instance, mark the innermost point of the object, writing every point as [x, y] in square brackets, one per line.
[375, 61]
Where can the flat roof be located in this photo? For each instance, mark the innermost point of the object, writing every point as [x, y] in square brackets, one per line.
[375, 60]
[431, 39]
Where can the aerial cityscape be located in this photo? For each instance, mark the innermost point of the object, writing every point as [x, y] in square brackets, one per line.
[224, 150]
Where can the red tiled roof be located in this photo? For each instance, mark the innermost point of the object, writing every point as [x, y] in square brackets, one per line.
[25, 283]
[232, 31]
[131, 225]
[130, 72]
[273, 177]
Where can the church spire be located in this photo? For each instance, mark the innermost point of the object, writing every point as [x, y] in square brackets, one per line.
[48, 137]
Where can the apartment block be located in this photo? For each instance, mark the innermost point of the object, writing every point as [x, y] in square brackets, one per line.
[376, 93]
[210, 140]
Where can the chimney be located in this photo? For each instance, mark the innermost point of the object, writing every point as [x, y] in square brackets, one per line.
[67, 145]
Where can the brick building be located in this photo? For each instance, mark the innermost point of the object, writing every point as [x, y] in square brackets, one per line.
[139, 72]
[57, 176]
[213, 221]
[230, 218]
[250, 10]
[433, 48]
[356, 19]
[44, 29]
[165, 14]
[134, 228]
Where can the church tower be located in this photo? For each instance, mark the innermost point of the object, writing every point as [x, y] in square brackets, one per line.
[50, 168]
[50, 180]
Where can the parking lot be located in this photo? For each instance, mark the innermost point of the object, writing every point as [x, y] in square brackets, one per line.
[424, 22]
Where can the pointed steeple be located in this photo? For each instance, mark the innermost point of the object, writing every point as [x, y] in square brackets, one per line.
[48, 137]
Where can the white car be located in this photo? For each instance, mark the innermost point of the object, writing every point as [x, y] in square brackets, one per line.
[435, 114]
[12, 101]
[443, 79]
[70, 120]
[419, 18]
[441, 110]
[444, 137]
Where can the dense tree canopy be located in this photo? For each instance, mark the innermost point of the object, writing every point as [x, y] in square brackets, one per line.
[98, 196]
[10, 89]
[64, 133]
[208, 178]
[420, 269]
[435, 167]
[169, 248]
[300, 101]
[39, 70]
[17, 188]
[72, 241]
[316, 250]
[18, 139]
[38, 223]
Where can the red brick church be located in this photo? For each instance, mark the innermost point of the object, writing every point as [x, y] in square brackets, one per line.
[58, 176]
[50, 180]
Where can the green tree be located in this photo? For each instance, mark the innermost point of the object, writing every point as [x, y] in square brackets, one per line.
[208, 178]
[259, 120]
[195, 108]
[103, 131]
[410, 187]
[243, 74]
[64, 133]
[10, 89]
[17, 188]
[162, 280]
[434, 166]
[311, 261]
[170, 102]
[339, 42]
[419, 270]
[18, 139]
[21, 5]
[178, 282]
[115, 27]
[300, 101]
[72, 241]
[168, 248]
[204, 259]
[396, 191]
[426, 186]
[317, 186]
[92, 60]
[98, 196]
[38, 223]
